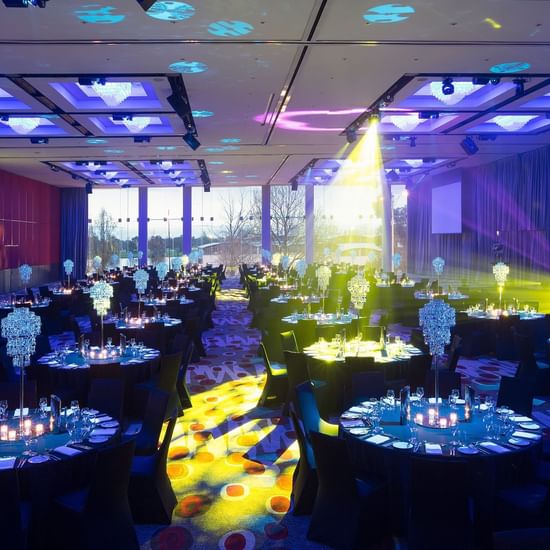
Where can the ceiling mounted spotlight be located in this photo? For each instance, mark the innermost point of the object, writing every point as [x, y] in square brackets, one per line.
[39, 140]
[520, 85]
[54, 168]
[426, 115]
[447, 87]
[205, 176]
[392, 176]
[412, 141]
[89, 188]
[25, 3]
[351, 135]
[374, 115]
[469, 146]
[192, 141]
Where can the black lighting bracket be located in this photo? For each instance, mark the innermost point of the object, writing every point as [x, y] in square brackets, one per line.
[179, 101]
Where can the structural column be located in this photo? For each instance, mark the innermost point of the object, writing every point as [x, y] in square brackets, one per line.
[142, 223]
[187, 220]
[310, 220]
[266, 218]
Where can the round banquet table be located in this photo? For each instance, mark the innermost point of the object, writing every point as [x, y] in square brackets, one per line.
[323, 319]
[286, 298]
[495, 316]
[495, 463]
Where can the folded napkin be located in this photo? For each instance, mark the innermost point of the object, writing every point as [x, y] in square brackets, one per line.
[527, 435]
[494, 447]
[104, 431]
[7, 462]
[431, 400]
[101, 418]
[17, 412]
[519, 418]
[352, 423]
[433, 448]
[377, 439]
[359, 410]
[68, 451]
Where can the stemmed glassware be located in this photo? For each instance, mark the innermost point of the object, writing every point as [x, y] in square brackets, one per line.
[3, 409]
[43, 406]
[420, 393]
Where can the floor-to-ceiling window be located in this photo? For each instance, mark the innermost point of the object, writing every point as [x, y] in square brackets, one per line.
[165, 227]
[288, 221]
[112, 224]
[399, 196]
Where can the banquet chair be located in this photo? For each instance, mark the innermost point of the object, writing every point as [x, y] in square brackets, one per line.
[522, 539]
[15, 515]
[448, 381]
[181, 384]
[417, 370]
[150, 492]
[276, 385]
[297, 372]
[306, 333]
[308, 411]
[453, 353]
[348, 512]
[289, 342]
[107, 395]
[10, 392]
[166, 380]
[516, 393]
[364, 385]
[99, 516]
[304, 479]
[152, 420]
[153, 336]
[431, 525]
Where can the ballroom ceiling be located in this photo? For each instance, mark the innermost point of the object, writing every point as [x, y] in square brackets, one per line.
[272, 86]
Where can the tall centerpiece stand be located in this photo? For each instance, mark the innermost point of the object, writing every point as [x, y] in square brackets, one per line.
[68, 266]
[101, 294]
[20, 328]
[301, 268]
[500, 271]
[436, 319]
[323, 274]
[140, 257]
[141, 278]
[185, 262]
[25, 274]
[438, 265]
[358, 288]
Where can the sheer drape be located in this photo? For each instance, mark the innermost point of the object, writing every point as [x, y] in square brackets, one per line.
[510, 196]
[74, 229]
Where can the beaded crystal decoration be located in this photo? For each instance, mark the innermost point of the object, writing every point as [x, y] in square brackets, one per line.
[20, 328]
[371, 257]
[140, 254]
[68, 265]
[436, 319]
[438, 265]
[130, 256]
[500, 271]
[96, 263]
[358, 288]
[162, 270]
[266, 255]
[301, 268]
[115, 260]
[285, 262]
[101, 293]
[276, 259]
[323, 274]
[185, 260]
[396, 260]
[141, 278]
[25, 272]
[177, 263]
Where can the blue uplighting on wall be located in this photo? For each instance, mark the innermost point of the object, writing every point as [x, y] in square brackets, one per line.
[188, 67]
[96, 141]
[510, 67]
[230, 28]
[171, 11]
[388, 13]
[202, 114]
[99, 15]
[230, 140]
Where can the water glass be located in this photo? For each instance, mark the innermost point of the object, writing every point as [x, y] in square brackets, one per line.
[420, 392]
[390, 397]
[43, 405]
[75, 408]
[3, 409]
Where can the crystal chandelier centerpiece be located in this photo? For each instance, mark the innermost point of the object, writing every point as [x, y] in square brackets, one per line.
[512, 123]
[461, 90]
[25, 273]
[162, 270]
[358, 288]
[141, 278]
[23, 125]
[323, 274]
[101, 294]
[113, 93]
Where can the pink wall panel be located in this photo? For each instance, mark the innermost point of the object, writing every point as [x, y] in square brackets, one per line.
[29, 222]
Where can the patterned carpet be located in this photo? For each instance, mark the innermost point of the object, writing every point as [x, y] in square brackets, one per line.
[231, 463]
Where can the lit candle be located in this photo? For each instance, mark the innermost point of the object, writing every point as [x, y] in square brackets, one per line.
[453, 418]
[39, 429]
[419, 418]
[27, 425]
[4, 432]
[51, 423]
[442, 422]
[12, 434]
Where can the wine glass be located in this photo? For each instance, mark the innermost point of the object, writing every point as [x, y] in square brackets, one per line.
[43, 405]
[3, 409]
[75, 408]
[420, 392]
[390, 397]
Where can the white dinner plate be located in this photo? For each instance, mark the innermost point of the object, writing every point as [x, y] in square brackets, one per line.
[109, 424]
[403, 445]
[529, 425]
[98, 439]
[468, 450]
[460, 401]
[358, 431]
[38, 459]
[519, 442]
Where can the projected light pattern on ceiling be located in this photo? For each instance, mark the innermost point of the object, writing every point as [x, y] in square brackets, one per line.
[314, 121]
[166, 147]
[124, 95]
[516, 123]
[466, 96]
[99, 15]
[230, 28]
[29, 126]
[188, 67]
[10, 103]
[230, 140]
[171, 11]
[510, 67]
[202, 114]
[388, 13]
[96, 141]
[147, 124]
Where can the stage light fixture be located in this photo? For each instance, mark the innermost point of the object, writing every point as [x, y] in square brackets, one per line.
[54, 168]
[494, 80]
[351, 135]
[125, 186]
[520, 86]
[89, 188]
[412, 141]
[91, 80]
[25, 3]
[146, 4]
[192, 141]
[427, 115]
[294, 184]
[447, 87]
[179, 101]
[39, 140]
[205, 176]
[469, 146]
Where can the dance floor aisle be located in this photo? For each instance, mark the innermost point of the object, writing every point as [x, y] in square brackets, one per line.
[231, 463]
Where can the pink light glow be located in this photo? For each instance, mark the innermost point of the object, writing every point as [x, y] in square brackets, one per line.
[286, 120]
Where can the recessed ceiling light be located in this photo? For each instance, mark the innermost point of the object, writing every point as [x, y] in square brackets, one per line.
[226, 171]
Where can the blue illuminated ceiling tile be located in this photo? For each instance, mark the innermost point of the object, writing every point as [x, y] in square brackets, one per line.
[111, 95]
[541, 102]
[510, 67]
[188, 67]
[10, 103]
[202, 114]
[520, 124]
[29, 126]
[388, 13]
[171, 11]
[230, 28]
[139, 124]
[99, 15]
